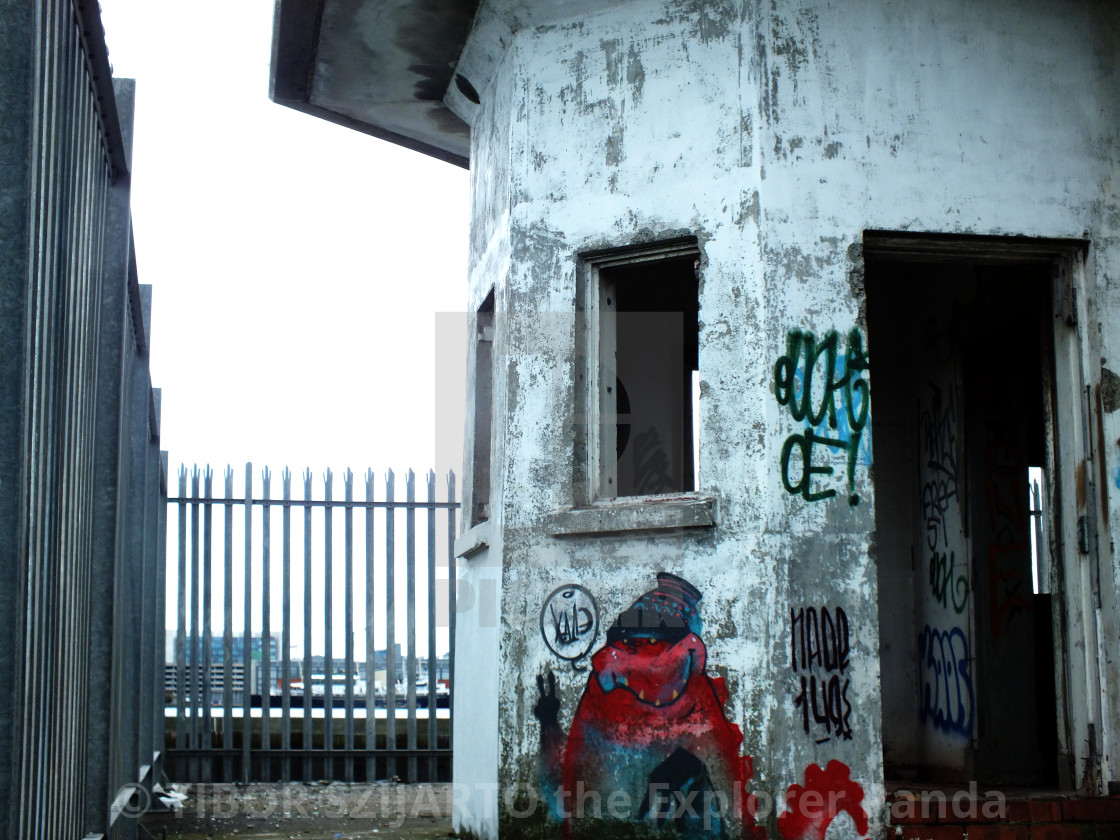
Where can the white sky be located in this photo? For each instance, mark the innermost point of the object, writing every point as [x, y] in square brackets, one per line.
[296, 265]
[297, 270]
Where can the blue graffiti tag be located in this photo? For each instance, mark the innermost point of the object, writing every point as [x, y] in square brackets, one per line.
[947, 698]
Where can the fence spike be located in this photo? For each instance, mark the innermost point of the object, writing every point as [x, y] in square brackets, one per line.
[266, 475]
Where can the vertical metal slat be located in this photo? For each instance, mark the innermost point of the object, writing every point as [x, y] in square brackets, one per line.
[207, 588]
[390, 629]
[433, 676]
[410, 607]
[286, 633]
[266, 625]
[348, 563]
[247, 637]
[307, 662]
[328, 614]
[371, 641]
[227, 630]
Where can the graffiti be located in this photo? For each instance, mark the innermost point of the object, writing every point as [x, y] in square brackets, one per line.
[825, 795]
[947, 583]
[939, 448]
[1010, 541]
[943, 661]
[826, 390]
[570, 621]
[650, 730]
[819, 648]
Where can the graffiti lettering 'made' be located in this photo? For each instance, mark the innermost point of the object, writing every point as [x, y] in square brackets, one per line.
[825, 389]
[819, 648]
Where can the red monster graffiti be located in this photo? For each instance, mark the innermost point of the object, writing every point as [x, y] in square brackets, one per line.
[650, 739]
[814, 805]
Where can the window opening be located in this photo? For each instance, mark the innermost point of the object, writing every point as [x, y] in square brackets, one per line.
[1040, 565]
[648, 371]
[483, 411]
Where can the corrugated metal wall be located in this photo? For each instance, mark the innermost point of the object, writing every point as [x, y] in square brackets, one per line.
[81, 473]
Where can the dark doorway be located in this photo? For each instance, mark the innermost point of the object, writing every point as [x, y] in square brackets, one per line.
[961, 395]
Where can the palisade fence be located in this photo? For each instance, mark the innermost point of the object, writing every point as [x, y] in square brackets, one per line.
[319, 658]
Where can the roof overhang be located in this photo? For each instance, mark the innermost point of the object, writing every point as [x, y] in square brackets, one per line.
[383, 67]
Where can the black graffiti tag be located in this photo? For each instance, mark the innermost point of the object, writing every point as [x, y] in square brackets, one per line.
[824, 390]
[946, 582]
[819, 649]
[939, 448]
[569, 621]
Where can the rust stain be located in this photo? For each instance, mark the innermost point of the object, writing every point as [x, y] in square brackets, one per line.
[1080, 482]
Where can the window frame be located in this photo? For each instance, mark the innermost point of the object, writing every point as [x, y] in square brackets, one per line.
[592, 510]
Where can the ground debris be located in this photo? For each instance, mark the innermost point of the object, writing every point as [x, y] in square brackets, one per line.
[311, 811]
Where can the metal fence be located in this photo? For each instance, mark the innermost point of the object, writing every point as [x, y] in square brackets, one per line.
[368, 696]
[82, 498]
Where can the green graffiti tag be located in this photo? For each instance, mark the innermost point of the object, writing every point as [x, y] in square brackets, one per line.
[826, 390]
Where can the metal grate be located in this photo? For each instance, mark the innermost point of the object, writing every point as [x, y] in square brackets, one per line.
[261, 714]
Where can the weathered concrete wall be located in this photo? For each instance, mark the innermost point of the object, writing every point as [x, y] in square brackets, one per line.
[776, 134]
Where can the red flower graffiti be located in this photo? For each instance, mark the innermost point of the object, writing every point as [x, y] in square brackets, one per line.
[814, 805]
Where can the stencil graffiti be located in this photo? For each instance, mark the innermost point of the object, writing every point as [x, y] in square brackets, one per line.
[819, 648]
[943, 662]
[948, 584]
[825, 795]
[650, 735]
[825, 389]
[570, 621]
[939, 450]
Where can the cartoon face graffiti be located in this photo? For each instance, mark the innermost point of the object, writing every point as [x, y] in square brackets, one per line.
[649, 739]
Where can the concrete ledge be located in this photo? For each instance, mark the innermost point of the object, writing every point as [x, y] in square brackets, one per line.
[656, 513]
[473, 541]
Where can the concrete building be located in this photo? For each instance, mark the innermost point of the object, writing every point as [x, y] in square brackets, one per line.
[774, 305]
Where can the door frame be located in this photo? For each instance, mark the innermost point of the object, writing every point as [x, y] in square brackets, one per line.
[1077, 524]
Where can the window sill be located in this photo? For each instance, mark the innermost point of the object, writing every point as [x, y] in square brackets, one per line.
[472, 541]
[649, 513]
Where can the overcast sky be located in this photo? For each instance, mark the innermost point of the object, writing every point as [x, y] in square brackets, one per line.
[297, 270]
[296, 266]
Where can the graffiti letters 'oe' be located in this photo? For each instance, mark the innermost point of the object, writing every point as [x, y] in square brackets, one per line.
[825, 389]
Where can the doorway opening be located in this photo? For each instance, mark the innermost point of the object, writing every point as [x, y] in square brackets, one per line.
[961, 346]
